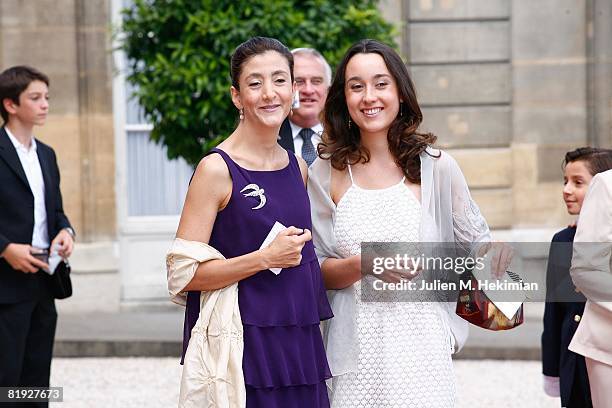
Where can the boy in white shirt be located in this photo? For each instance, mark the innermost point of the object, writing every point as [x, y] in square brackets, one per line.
[32, 220]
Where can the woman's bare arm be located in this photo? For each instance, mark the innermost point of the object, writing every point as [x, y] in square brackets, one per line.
[341, 273]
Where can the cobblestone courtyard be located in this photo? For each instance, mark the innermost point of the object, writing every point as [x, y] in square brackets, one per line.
[153, 382]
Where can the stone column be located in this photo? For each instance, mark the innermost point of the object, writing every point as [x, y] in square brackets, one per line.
[459, 56]
[96, 118]
[599, 74]
[549, 103]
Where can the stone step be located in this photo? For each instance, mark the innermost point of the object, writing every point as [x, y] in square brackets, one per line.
[159, 334]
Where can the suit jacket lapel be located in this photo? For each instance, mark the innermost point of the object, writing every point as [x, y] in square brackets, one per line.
[9, 154]
[45, 167]
[286, 136]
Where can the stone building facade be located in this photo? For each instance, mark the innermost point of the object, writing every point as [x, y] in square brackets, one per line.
[509, 86]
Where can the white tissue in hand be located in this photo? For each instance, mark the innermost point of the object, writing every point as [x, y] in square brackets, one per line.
[276, 228]
[54, 259]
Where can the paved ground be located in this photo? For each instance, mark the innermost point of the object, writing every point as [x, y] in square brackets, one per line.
[141, 368]
[159, 334]
[153, 382]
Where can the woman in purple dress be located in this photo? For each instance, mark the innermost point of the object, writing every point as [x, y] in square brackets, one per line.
[237, 194]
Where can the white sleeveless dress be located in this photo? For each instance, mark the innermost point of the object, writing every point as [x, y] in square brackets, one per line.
[404, 349]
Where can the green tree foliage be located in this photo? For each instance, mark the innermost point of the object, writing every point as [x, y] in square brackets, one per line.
[179, 53]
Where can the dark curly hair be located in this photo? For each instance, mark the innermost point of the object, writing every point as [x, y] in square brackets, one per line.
[597, 160]
[341, 144]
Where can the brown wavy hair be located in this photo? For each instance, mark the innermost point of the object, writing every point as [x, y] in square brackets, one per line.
[341, 144]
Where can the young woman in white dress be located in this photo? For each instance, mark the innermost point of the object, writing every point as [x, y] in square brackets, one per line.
[379, 179]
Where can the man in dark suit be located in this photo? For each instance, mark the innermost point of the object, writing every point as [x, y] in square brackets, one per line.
[31, 220]
[301, 131]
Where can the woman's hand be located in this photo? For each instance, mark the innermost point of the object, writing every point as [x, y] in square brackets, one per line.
[500, 254]
[286, 249]
[395, 275]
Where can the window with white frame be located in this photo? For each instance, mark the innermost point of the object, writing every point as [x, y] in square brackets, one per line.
[155, 185]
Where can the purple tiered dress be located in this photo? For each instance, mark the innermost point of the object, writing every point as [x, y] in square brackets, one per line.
[284, 361]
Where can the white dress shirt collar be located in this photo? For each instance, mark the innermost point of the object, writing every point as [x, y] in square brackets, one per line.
[18, 145]
[295, 130]
[298, 141]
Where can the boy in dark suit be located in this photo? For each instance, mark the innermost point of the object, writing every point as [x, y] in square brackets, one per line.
[31, 220]
[565, 372]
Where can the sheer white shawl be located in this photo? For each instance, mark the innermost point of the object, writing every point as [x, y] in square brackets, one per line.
[448, 214]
